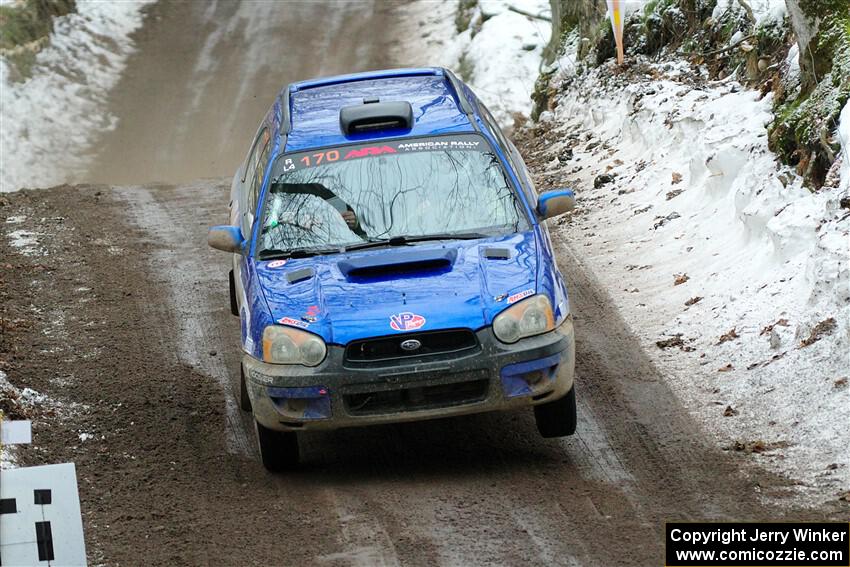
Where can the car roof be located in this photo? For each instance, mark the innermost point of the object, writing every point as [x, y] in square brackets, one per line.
[311, 109]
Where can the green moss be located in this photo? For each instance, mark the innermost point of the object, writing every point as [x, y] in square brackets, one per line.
[605, 46]
[540, 96]
[465, 68]
[25, 28]
[463, 16]
[32, 20]
[801, 134]
[771, 36]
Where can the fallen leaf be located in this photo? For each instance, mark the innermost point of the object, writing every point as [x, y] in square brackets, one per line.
[728, 336]
[671, 342]
[769, 328]
[726, 368]
[730, 411]
[693, 300]
[840, 383]
[825, 327]
[680, 278]
[677, 177]
[661, 221]
[757, 446]
[674, 193]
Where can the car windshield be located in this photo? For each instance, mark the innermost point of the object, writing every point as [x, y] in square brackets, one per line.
[332, 198]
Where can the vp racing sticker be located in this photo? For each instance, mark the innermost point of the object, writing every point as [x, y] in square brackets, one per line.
[521, 295]
[311, 315]
[293, 322]
[406, 321]
[277, 264]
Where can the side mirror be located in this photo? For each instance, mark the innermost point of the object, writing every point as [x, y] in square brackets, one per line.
[226, 238]
[556, 202]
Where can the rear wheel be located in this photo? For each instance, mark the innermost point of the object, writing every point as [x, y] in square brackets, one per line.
[278, 449]
[558, 418]
[244, 399]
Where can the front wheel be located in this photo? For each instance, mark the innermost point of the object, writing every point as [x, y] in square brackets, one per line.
[558, 418]
[278, 449]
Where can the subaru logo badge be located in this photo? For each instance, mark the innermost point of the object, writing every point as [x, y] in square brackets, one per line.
[410, 345]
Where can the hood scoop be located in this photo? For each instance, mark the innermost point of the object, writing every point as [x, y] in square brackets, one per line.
[396, 264]
[497, 253]
[295, 276]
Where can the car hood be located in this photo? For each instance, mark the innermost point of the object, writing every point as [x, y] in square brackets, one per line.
[421, 287]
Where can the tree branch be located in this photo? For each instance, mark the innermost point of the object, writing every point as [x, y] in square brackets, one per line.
[529, 14]
[728, 47]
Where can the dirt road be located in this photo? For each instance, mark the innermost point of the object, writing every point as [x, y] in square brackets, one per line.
[120, 316]
[205, 73]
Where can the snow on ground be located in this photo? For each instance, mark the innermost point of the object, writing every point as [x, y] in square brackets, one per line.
[26, 241]
[764, 11]
[499, 55]
[48, 122]
[706, 242]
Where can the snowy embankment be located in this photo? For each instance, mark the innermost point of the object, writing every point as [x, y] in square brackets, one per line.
[733, 274]
[498, 54]
[50, 120]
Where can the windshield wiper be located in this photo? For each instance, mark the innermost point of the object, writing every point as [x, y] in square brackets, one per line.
[274, 254]
[405, 240]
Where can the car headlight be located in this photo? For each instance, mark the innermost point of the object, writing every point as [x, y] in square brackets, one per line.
[285, 345]
[527, 318]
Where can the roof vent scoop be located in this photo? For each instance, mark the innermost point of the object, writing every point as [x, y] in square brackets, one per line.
[376, 115]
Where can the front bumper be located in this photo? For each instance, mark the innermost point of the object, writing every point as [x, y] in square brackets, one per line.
[494, 376]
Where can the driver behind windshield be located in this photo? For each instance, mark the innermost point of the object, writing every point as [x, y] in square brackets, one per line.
[297, 210]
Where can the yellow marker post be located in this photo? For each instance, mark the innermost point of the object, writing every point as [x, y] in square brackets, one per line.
[616, 15]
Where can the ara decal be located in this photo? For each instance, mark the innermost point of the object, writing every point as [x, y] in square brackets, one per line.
[293, 322]
[277, 263]
[370, 151]
[406, 321]
[521, 295]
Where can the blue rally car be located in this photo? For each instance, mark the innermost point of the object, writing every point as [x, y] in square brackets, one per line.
[390, 263]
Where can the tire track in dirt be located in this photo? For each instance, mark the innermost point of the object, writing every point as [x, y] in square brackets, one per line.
[180, 260]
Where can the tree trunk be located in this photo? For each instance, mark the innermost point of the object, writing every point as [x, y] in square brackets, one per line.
[583, 15]
[808, 18]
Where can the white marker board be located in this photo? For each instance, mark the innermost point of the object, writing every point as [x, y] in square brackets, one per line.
[40, 521]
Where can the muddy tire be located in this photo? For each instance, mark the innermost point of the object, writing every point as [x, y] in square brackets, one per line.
[278, 449]
[234, 307]
[244, 399]
[558, 418]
